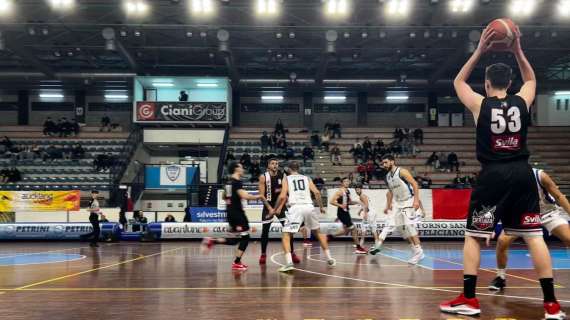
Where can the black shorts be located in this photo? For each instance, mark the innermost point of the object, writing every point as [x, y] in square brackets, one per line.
[345, 218]
[505, 192]
[238, 222]
[268, 219]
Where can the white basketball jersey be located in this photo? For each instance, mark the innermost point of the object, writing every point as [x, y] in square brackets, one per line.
[401, 189]
[547, 202]
[299, 192]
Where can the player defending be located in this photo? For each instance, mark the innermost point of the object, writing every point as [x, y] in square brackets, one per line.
[402, 207]
[297, 190]
[552, 206]
[270, 184]
[341, 200]
[368, 217]
[506, 187]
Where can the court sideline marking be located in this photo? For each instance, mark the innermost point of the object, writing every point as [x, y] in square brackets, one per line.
[94, 269]
[403, 285]
[43, 252]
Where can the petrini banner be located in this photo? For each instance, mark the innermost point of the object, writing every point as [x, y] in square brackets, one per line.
[181, 112]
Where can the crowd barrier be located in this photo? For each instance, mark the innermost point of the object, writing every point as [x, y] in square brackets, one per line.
[54, 231]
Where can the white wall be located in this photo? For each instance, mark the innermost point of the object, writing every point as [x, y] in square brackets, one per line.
[547, 113]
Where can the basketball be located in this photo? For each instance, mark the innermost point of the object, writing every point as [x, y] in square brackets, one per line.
[505, 33]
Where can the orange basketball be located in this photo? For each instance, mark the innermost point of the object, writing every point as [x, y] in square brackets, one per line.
[505, 33]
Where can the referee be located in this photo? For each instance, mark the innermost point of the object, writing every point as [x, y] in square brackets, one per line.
[94, 212]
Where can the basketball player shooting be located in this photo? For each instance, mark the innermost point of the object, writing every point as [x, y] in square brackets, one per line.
[506, 188]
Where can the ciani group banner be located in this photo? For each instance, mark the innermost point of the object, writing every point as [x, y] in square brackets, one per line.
[13, 201]
[181, 112]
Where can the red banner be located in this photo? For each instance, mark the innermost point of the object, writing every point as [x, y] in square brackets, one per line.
[451, 204]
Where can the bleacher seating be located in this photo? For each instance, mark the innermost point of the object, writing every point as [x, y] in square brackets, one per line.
[62, 174]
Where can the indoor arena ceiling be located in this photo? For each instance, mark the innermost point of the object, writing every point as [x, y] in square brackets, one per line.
[424, 47]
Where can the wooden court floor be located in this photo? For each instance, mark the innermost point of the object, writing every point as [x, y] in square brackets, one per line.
[173, 280]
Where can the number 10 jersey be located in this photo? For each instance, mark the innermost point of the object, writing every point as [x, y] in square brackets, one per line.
[299, 192]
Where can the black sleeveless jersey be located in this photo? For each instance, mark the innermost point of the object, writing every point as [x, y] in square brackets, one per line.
[344, 198]
[502, 130]
[273, 187]
[233, 200]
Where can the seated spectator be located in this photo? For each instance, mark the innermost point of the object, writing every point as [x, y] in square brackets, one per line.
[52, 153]
[50, 127]
[433, 161]
[443, 165]
[380, 143]
[336, 158]
[14, 175]
[103, 219]
[367, 144]
[308, 154]
[75, 127]
[315, 139]
[281, 145]
[67, 152]
[264, 142]
[326, 141]
[26, 154]
[319, 182]
[279, 128]
[472, 179]
[245, 160]
[370, 168]
[361, 169]
[4, 175]
[140, 221]
[65, 127]
[425, 181]
[419, 136]
[357, 154]
[169, 218]
[254, 171]
[336, 130]
[38, 152]
[453, 161]
[230, 156]
[77, 152]
[105, 124]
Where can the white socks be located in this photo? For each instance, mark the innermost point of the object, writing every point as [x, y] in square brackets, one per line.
[289, 258]
[502, 273]
[328, 254]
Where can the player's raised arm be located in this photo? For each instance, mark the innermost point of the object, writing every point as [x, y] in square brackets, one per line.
[471, 99]
[528, 89]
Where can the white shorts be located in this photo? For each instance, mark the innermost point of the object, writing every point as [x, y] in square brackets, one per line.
[299, 214]
[553, 220]
[404, 217]
[371, 219]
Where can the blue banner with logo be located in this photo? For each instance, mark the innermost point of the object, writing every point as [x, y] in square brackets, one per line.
[52, 231]
[169, 176]
[207, 215]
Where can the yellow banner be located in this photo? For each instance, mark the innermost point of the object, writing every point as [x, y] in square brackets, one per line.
[13, 201]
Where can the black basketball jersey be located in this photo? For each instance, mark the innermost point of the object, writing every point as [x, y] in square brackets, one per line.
[344, 199]
[233, 200]
[273, 186]
[502, 130]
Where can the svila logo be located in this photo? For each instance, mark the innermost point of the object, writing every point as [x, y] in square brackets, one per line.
[531, 220]
[506, 142]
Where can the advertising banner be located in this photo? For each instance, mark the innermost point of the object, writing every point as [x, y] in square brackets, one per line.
[207, 215]
[191, 230]
[181, 112]
[13, 201]
[52, 231]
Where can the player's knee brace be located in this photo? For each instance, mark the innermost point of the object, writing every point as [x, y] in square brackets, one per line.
[244, 242]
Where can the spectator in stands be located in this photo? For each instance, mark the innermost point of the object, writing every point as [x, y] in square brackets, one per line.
[254, 171]
[336, 129]
[419, 136]
[77, 152]
[472, 179]
[328, 127]
[4, 175]
[433, 161]
[140, 220]
[75, 127]
[357, 154]
[367, 144]
[425, 181]
[316, 140]
[443, 165]
[361, 169]
[38, 152]
[289, 153]
[187, 214]
[245, 160]
[453, 161]
[336, 158]
[50, 127]
[272, 143]
[319, 182]
[67, 152]
[103, 219]
[326, 140]
[264, 142]
[279, 128]
[183, 96]
[52, 153]
[169, 218]
[308, 154]
[65, 127]
[14, 175]
[281, 145]
[105, 124]
[7, 143]
[26, 154]
[370, 168]
[230, 156]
